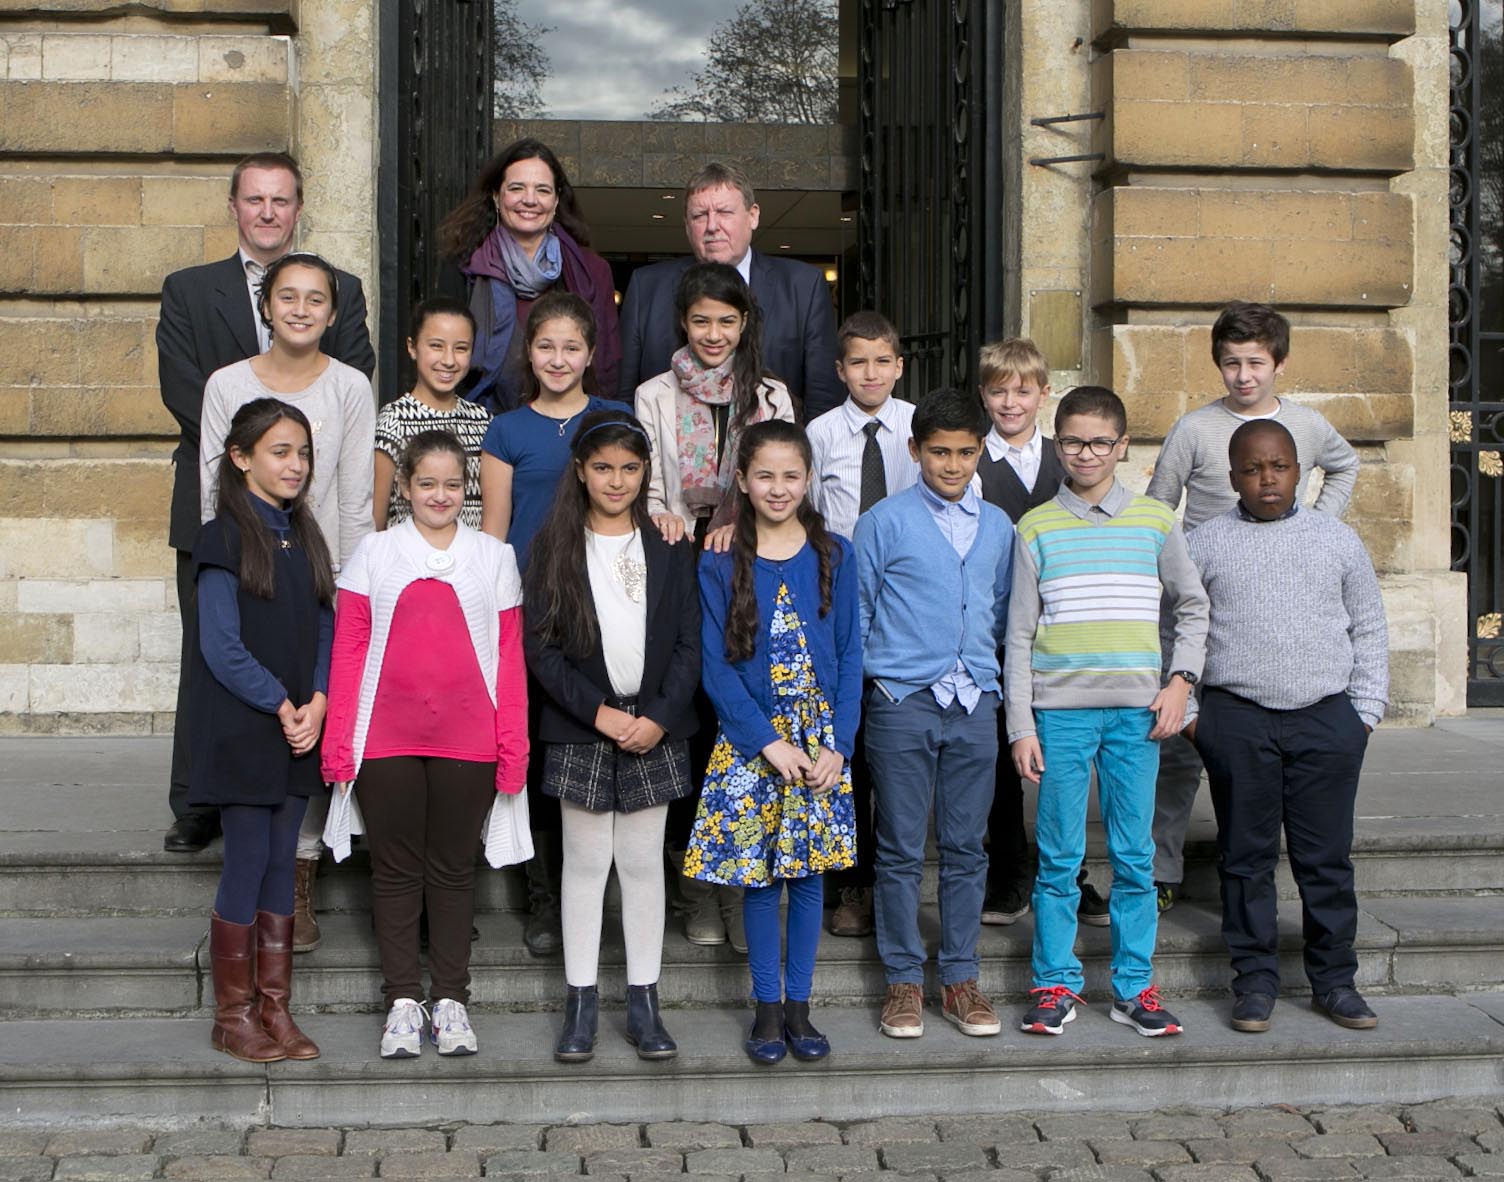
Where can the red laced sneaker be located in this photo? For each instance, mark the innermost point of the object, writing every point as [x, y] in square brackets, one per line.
[1146, 1014]
[1056, 1006]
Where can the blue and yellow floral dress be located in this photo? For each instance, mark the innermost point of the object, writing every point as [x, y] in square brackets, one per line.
[751, 828]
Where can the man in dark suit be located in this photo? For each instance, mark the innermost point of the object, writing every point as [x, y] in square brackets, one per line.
[209, 321]
[798, 323]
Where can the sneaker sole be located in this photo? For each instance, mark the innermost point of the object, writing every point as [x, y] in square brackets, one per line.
[1041, 1028]
[975, 1029]
[1002, 919]
[400, 1053]
[706, 941]
[1096, 921]
[1148, 1032]
[901, 1031]
[1347, 1023]
[454, 1052]
[1251, 1025]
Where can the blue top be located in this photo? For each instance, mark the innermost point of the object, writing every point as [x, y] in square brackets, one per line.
[538, 453]
[924, 605]
[957, 520]
[742, 692]
[219, 631]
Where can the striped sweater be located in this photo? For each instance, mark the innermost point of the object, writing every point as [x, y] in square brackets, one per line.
[1083, 624]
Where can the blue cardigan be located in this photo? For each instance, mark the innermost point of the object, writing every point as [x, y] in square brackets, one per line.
[922, 605]
[742, 691]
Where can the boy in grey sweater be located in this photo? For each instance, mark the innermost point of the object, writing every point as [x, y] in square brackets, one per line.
[1289, 699]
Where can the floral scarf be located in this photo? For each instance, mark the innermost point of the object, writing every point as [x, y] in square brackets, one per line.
[705, 476]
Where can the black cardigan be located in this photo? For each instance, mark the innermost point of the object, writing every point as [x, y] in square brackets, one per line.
[574, 690]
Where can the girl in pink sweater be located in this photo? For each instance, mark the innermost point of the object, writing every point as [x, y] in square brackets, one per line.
[428, 718]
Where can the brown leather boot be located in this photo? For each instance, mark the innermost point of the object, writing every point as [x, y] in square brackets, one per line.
[237, 1027]
[305, 925]
[274, 984]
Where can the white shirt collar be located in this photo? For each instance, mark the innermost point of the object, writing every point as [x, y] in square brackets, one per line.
[998, 447]
[744, 268]
[857, 418]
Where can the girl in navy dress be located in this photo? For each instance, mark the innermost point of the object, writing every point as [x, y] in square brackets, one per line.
[782, 664]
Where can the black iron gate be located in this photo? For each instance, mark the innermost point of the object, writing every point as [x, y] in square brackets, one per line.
[930, 84]
[435, 112]
[1477, 335]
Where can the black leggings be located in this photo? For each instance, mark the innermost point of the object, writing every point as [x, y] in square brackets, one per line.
[261, 844]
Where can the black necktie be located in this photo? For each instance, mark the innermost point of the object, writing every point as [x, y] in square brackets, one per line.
[874, 479]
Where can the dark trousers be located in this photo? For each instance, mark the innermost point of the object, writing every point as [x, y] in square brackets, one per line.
[862, 874]
[260, 847]
[177, 793]
[1296, 770]
[423, 820]
[1007, 838]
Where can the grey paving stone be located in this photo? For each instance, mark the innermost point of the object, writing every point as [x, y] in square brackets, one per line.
[787, 1136]
[591, 1138]
[1047, 1155]
[208, 1140]
[376, 1142]
[1099, 1174]
[1436, 1144]
[733, 1161]
[988, 1130]
[1239, 1150]
[520, 1163]
[19, 1142]
[989, 1176]
[1410, 1169]
[1082, 1126]
[433, 1163]
[115, 1167]
[884, 1176]
[317, 1167]
[832, 1159]
[1492, 1142]
[1451, 1117]
[1301, 1169]
[938, 1157]
[1362, 1118]
[685, 1135]
[890, 1132]
[282, 1142]
[1339, 1145]
[1119, 1151]
[635, 1161]
[219, 1165]
[98, 1141]
[1224, 1172]
[1172, 1126]
[1266, 1122]
[1482, 1165]
[494, 1138]
[30, 1167]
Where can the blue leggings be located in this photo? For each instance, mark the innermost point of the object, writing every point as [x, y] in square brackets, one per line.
[261, 845]
[760, 914]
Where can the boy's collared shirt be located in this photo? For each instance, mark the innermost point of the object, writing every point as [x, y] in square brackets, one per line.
[957, 520]
[1024, 460]
[837, 441]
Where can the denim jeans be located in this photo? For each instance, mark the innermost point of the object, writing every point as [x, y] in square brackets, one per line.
[925, 758]
[1116, 743]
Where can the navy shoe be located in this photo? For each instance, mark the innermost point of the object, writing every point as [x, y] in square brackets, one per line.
[1345, 1006]
[765, 1045]
[581, 1017]
[645, 1025]
[1252, 1012]
[805, 1043]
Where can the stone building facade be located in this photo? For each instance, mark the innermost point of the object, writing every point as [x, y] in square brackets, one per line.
[1288, 150]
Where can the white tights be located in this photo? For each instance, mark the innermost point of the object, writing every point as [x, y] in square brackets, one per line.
[311, 831]
[592, 841]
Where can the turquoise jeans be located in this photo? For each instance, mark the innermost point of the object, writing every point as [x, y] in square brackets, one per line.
[1116, 743]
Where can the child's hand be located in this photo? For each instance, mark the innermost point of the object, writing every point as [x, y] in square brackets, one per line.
[1169, 708]
[788, 761]
[1028, 759]
[307, 722]
[718, 541]
[827, 770]
[286, 713]
[642, 736]
[613, 723]
[343, 787]
[670, 525]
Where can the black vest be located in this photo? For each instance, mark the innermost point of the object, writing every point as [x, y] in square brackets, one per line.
[1002, 487]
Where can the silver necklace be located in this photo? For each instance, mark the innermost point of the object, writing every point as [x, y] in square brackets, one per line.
[570, 419]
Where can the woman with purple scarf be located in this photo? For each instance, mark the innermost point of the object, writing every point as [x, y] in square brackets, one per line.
[517, 234]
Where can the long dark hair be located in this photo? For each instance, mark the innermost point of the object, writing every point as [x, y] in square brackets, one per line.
[298, 258]
[556, 587]
[742, 619]
[466, 225]
[724, 284]
[554, 304]
[232, 501]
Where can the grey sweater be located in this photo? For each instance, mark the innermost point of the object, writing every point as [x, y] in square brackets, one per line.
[1194, 460]
[1296, 614]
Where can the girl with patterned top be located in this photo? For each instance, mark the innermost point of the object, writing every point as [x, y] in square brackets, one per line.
[782, 664]
[442, 340]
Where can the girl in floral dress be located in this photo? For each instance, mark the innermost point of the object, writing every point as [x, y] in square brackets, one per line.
[782, 665]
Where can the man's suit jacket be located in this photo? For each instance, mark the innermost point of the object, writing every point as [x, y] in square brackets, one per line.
[798, 329]
[207, 323]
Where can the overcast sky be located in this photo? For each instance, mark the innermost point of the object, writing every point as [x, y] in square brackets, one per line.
[613, 59]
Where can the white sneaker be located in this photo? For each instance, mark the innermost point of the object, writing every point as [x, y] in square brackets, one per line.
[402, 1036]
[451, 1028]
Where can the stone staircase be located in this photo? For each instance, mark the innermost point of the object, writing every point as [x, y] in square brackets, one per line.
[104, 982]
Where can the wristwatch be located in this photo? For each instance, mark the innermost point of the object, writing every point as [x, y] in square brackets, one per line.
[1188, 677]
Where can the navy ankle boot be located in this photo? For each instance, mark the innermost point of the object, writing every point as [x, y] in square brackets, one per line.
[581, 1015]
[645, 1025]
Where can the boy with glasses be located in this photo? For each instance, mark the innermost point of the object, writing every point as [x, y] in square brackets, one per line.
[1082, 693]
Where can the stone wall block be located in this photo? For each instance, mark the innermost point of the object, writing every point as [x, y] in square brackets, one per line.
[57, 261]
[231, 119]
[61, 595]
[75, 57]
[243, 59]
[1391, 19]
[337, 126]
[22, 54]
[15, 411]
[96, 201]
[133, 687]
[116, 351]
[26, 639]
[99, 411]
[14, 689]
[185, 200]
[161, 635]
[143, 58]
[41, 547]
[121, 489]
[25, 199]
[141, 551]
[123, 117]
[105, 637]
[17, 254]
[132, 260]
[38, 351]
[1332, 274]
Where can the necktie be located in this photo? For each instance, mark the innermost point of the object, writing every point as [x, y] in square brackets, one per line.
[874, 479]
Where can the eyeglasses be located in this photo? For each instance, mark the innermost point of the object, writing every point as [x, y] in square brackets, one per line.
[1072, 446]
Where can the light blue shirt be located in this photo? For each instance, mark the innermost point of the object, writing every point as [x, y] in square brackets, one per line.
[957, 521]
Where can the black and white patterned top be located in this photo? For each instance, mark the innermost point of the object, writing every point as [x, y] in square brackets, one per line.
[400, 420]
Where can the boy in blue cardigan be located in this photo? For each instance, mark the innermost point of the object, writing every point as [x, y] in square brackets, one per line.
[934, 565]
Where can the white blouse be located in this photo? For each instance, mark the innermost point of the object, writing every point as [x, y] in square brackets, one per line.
[619, 585]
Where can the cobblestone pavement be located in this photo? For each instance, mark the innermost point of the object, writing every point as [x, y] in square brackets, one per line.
[1429, 1142]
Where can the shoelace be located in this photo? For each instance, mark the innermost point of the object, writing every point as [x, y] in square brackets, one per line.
[450, 1016]
[1054, 994]
[1149, 999]
[404, 1023]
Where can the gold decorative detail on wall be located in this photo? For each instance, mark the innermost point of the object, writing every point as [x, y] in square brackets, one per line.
[1490, 463]
[1462, 426]
[1489, 626]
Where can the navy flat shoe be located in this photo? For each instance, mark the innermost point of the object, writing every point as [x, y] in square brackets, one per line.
[805, 1043]
[764, 1044]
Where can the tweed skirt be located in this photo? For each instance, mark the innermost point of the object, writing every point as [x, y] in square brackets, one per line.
[600, 777]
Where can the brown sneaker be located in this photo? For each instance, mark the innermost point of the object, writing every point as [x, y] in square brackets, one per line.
[903, 1012]
[972, 1013]
[853, 915]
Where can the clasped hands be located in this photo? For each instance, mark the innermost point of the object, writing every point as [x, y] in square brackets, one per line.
[301, 724]
[819, 775]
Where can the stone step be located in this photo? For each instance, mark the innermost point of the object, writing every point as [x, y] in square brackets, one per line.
[162, 1071]
[153, 965]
